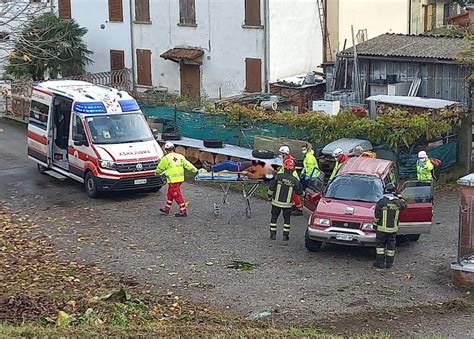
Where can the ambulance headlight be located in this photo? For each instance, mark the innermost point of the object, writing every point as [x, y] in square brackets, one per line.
[107, 164]
[368, 226]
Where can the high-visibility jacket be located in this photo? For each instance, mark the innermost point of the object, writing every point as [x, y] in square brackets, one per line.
[310, 165]
[281, 189]
[173, 165]
[387, 212]
[423, 170]
[338, 166]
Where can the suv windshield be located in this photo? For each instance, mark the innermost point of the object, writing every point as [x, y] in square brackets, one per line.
[118, 128]
[355, 188]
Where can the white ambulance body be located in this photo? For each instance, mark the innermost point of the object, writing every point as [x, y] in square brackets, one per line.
[94, 134]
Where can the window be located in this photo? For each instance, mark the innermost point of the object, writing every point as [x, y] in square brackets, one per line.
[115, 11]
[429, 17]
[39, 113]
[77, 127]
[187, 12]
[144, 67]
[252, 13]
[64, 8]
[253, 75]
[446, 14]
[117, 61]
[142, 10]
[355, 188]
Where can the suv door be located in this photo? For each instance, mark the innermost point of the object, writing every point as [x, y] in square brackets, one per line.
[313, 193]
[417, 217]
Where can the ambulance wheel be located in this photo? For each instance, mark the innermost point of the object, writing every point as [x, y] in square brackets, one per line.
[41, 169]
[310, 244]
[414, 237]
[90, 185]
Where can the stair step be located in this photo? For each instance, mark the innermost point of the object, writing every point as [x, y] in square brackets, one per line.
[55, 175]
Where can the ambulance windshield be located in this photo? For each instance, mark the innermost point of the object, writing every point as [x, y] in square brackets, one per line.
[118, 128]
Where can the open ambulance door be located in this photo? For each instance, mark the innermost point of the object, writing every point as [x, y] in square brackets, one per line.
[39, 128]
[417, 217]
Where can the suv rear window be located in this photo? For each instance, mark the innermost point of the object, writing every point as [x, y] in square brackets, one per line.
[355, 188]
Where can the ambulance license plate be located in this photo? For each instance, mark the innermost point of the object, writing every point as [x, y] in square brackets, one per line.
[139, 182]
[345, 237]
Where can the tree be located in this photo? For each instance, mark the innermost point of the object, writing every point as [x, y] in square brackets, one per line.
[47, 47]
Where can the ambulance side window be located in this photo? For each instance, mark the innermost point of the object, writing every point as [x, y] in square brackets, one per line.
[39, 113]
[78, 128]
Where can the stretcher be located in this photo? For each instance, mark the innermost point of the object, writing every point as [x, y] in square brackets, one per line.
[225, 180]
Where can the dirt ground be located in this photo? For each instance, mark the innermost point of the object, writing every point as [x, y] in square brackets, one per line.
[127, 235]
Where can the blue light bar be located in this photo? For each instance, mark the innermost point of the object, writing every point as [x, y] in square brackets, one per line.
[89, 107]
[129, 105]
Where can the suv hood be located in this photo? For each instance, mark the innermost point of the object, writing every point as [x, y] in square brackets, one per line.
[135, 151]
[346, 208]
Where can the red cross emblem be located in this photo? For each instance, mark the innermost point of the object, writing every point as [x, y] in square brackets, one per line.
[175, 159]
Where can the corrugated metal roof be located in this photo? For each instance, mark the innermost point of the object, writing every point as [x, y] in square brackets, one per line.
[410, 46]
[182, 53]
[429, 103]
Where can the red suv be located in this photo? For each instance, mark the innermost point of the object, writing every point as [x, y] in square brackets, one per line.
[344, 213]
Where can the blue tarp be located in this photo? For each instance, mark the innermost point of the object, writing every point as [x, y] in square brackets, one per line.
[447, 153]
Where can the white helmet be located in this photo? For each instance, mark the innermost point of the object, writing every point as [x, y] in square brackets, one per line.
[337, 152]
[422, 155]
[169, 145]
[284, 150]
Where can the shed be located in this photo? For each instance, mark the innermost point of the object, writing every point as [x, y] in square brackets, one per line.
[388, 62]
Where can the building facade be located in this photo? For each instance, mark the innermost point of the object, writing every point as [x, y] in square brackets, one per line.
[204, 48]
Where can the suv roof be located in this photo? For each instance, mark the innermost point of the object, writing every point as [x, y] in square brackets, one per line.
[367, 166]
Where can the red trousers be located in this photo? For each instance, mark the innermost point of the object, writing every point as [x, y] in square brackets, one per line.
[174, 194]
[297, 201]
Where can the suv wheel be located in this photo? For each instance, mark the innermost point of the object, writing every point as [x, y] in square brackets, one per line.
[311, 245]
[414, 237]
[90, 185]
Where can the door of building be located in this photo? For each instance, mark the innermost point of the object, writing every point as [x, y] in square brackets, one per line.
[190, 81]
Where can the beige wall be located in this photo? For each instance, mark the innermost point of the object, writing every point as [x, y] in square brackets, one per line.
[376, 16]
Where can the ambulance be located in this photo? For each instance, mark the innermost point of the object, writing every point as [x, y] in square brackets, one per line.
[94, 134]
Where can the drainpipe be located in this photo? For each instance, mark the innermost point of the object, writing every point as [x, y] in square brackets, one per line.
[132, 46]
[266, 44]
[409, 16]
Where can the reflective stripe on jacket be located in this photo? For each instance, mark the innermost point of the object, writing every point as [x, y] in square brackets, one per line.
[173, 165]
[310, 165]
[423, 170]
[387, 213]
[281, 189]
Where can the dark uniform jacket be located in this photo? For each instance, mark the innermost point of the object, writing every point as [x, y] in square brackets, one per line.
[387, 212]
[281, 189]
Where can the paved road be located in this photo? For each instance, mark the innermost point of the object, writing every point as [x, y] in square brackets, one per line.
[127, 235]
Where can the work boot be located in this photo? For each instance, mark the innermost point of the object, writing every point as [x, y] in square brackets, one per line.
[388, 265]
[273, 235]
[181, 215]
[286, 236]
[378, 265]
[297, 212]
[162, 210]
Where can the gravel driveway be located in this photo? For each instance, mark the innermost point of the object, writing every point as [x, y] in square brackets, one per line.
[127, 235]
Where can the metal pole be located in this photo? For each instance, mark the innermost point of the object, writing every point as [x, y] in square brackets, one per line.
[356, 67]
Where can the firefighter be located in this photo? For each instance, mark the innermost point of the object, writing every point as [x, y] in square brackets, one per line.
[341, 159]
[173, 165]
[310, 165]
[424, 167]
[284, 152]
[387, 211]
[281, 190]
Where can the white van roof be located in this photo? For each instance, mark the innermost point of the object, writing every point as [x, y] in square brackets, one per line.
[89, 98]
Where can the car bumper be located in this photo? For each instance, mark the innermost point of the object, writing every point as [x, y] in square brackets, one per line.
[328, 235]
[130, 183]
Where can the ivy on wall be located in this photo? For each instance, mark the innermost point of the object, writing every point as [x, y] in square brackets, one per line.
[393, 126]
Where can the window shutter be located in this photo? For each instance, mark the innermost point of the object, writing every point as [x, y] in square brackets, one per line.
[253, 75]
[115, 11]
[144, 67]
[187, 12]
[64, 8]
[142, 10]
[252, 13]
[117, 60]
